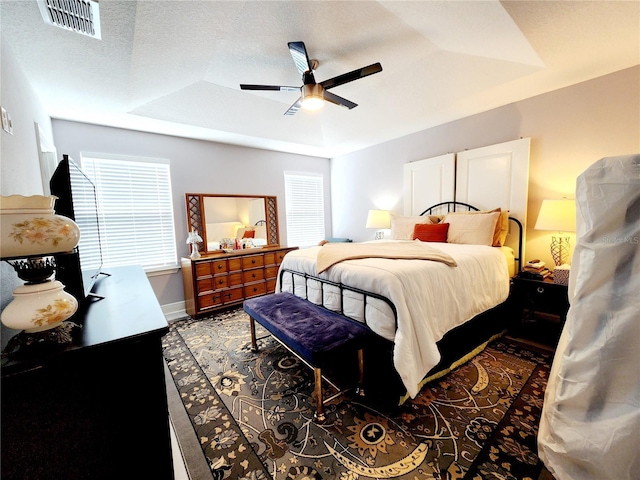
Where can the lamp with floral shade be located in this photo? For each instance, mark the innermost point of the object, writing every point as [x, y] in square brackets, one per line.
[30, 234]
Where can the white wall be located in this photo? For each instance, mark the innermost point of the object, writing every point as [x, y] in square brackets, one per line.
[20, 165]
[569, 128]
[196, 167]
[19, 162]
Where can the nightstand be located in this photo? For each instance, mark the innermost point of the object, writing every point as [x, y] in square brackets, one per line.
[541, 306]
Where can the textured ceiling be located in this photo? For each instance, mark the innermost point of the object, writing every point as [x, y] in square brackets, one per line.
[175, 66]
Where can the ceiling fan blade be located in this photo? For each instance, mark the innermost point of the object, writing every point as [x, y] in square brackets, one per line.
[343, 102]
[280, 88]
[351, 76]
[293, 109]
[300, 58]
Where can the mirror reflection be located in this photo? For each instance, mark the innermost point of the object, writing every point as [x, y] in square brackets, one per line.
[241, 218]
[232, 221]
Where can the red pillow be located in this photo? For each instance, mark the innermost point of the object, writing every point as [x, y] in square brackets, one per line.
[249, 234]
[426, 232]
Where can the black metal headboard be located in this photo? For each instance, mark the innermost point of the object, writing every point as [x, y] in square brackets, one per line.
[449, 207]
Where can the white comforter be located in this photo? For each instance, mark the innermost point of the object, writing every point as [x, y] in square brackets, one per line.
[431, 298]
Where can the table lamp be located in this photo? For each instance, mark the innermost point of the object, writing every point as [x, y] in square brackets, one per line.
[194, 239]
[379, 219]
[31, 233]
[559, 216]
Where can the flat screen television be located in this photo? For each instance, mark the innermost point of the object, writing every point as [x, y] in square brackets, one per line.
[77, 200]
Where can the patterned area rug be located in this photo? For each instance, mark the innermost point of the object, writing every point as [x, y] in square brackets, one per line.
[253, 413]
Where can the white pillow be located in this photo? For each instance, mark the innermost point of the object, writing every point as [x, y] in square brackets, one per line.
[402, 227]
[477, 229]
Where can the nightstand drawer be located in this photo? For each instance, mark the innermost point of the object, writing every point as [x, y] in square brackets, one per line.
[541, 308]
[546, 298]
[541, 296]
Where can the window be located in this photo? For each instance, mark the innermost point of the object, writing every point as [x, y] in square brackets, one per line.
[135, 210]
[305, 209]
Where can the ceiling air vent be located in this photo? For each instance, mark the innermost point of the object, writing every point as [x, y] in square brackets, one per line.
[81, 16]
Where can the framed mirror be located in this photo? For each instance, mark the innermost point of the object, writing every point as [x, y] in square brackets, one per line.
[219, 216]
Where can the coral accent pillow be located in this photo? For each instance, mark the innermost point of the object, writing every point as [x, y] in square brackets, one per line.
[431, 232]
[249, 234]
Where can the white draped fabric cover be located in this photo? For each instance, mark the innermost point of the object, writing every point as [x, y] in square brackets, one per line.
[590, 425]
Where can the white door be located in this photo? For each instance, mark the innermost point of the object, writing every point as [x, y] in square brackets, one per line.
[496, 176]
[428, 182]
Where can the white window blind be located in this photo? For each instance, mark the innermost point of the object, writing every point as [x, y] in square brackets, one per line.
[304, 198]
[135, 210]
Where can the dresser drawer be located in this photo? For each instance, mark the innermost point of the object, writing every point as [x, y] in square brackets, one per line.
[203, 269]
[233, 295]
[270, 258]
[220, 281]
[204, 285]
[234, 264]
[234, 279]
[252, 261]
[218, 266]
[209, 300]
[254, 275]
[280, 255]
[255, 289]
[271, 272]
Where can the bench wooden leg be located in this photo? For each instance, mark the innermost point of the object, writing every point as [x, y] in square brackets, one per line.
[319, 415]
[254, 343]
[360, 388]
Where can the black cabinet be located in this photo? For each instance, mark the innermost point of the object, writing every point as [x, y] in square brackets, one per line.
[95, 408]
[542, 307]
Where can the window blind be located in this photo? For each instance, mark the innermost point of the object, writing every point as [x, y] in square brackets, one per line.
[304, 196]
[135, 210]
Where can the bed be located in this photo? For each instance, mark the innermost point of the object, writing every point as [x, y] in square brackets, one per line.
[406, 299]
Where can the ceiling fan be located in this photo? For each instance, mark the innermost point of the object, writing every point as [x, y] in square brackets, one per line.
[312, 94]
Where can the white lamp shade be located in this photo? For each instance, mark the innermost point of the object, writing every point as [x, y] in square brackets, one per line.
[557, 215]
[378, 219]
[29, 227]
[193, 237]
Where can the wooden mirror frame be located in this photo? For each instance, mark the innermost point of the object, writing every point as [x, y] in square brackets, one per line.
[196, 217]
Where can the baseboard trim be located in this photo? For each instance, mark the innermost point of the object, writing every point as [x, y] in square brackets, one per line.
[174, 311]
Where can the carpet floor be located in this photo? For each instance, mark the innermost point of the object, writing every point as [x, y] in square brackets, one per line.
[253, 413]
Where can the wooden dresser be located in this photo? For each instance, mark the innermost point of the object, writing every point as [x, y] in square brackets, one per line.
[221, 280]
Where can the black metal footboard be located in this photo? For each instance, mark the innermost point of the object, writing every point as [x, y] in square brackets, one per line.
[305, 277]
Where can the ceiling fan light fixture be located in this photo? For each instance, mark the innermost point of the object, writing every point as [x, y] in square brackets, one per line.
[312, 98]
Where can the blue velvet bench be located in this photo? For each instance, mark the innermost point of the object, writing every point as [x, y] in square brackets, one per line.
[311, 332]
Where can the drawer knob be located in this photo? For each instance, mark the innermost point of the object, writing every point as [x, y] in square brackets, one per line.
[219, 267]
[540, 289]
[253, 261]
